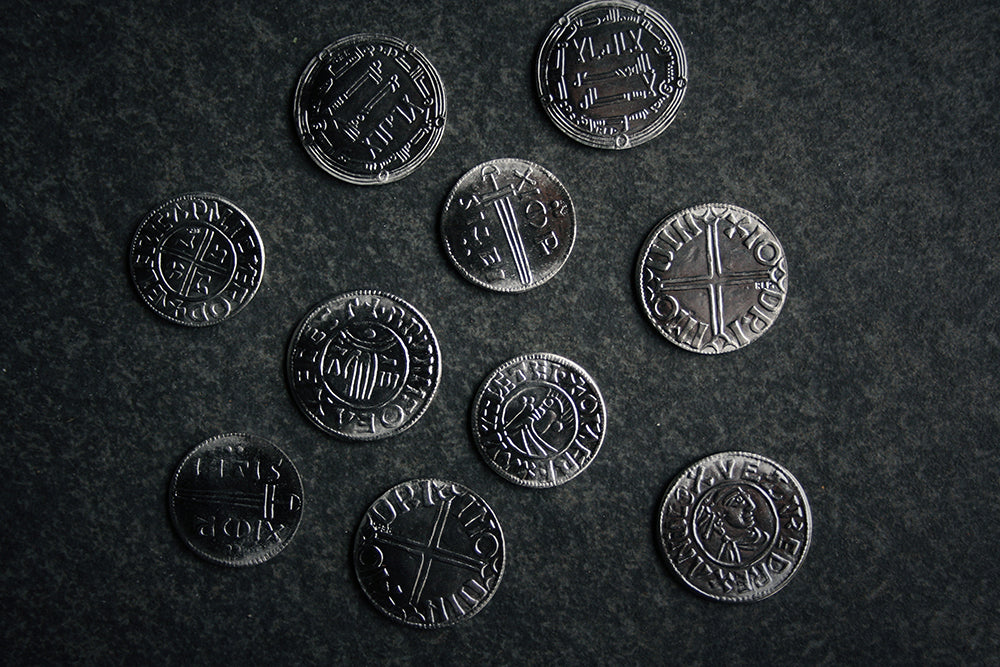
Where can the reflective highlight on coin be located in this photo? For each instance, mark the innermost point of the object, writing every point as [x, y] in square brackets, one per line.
[429, 553]
[539, 420]
[236, 499]
[196, 259]
[611, 73]
[735, 526]
[364, 365]
[508, 225]
[712, 278]
[370, 109]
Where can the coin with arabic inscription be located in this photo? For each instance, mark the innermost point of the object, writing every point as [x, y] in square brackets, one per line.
[363, 365]
[735, 526]
[370, 109]
[196, 259]
[712, 278]
[429, 553]
[236, 499]
[611, 73]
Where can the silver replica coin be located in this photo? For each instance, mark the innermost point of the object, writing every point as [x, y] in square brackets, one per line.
[370, 109]
[712, 278]
[429, 553]
[611, 74]
[364, 365]
[735, 526]
[539, 420]
[236, 499]
[196, 259]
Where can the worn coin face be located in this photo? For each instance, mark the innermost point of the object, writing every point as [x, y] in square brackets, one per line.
[611, 73]
[370, 109]
[236, 499]
[429, 553]
[196, 259]
[735, 526]
[712, 278]
[364, 365]
[539, 420]
[508, 225]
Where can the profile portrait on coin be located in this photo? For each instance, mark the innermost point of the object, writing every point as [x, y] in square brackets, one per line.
[729, 524]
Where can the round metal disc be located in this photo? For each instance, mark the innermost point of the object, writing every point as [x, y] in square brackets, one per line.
[611, 73]
[712, 278]
[508, 225]
[369, 109]
[364, 365]
[539, 420]
[196, 259]
[236, 499]
[735, 526]
[429, 553]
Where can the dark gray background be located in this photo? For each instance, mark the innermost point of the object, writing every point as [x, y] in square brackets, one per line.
[866, 136]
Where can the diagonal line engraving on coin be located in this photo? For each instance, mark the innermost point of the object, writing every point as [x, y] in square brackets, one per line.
[505, 211]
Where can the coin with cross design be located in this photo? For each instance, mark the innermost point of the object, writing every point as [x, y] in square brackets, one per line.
[712, 278]
[429, 553]
[196, 259]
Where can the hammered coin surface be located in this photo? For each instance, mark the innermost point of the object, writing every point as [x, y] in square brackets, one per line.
[236, 499]
[611, 74]
[508, 225]
[712, 278]
[539, 420]
[196, 259]
[429, 553]
[735, 526]
[369, 109]
[364, 365]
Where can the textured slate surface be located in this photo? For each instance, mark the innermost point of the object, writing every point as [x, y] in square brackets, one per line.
[866, 137]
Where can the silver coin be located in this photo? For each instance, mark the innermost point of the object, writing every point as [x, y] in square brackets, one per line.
[611, 73]
[429, 553]
[539, 420]
[712, 278]
[196, 259]
[236, 499]
[370, 109]
[735, 526]
[364, 365]
[508, 225]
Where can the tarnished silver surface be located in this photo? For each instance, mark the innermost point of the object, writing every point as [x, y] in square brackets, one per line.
[236, 499]
[370, 109]
[735, 526]
[611, 73]
[429, 553]
[363, 365]
[539, 420]
[508, 225]
[712, 278]
[196, 259]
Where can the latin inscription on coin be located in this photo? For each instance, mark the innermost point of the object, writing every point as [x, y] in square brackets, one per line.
[712, 278]
[364, 365]
[735, 526]
[236, 499]
[370, 109]
[539, 420]
[508, 225]
[196, 259]
[611, 73]
[429, 553]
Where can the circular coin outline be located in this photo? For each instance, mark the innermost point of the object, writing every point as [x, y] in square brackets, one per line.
[145, 256]
[437, 102]
[675, 526]
[233, 441]
[340, 301]
[379, 527]
[483, 402]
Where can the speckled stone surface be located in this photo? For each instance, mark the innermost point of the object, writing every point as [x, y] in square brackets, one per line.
[866, 137]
